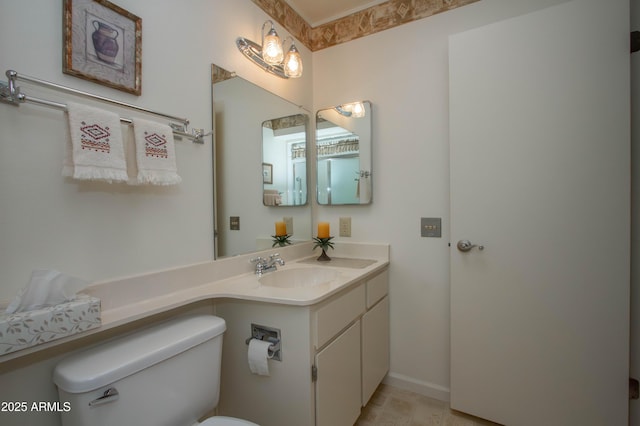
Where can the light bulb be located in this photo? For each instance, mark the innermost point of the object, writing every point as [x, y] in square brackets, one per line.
[358, 110]
[293, 63]
[272, 48]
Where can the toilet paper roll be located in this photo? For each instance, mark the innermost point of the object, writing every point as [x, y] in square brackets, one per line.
[258, 356]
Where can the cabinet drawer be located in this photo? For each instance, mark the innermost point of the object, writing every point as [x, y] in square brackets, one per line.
[377, 288]
[331, 318]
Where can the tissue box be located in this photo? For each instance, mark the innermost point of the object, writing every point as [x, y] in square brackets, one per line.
[25, 329]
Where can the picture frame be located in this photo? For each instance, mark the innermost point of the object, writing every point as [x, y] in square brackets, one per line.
[103, 44]
[267, 173]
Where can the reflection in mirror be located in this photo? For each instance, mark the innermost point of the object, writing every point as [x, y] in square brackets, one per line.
[343, 141]
[284, 156]
[242, 221]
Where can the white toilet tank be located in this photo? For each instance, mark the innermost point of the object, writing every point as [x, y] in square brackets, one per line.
[168, 374]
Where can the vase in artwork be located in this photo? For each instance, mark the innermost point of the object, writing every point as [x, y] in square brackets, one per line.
[104, 42]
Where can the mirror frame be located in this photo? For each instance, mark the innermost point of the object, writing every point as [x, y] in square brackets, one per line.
[364, 174]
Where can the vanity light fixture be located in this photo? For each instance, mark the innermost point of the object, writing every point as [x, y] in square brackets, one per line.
[270, 56]
[355, 110]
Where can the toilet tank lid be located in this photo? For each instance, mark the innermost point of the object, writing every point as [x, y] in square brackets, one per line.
[116, 359]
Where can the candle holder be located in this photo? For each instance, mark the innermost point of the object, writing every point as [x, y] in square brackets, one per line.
[324, 244]
[281, 240]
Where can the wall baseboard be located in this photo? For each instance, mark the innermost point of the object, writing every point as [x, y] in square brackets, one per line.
[431, 390]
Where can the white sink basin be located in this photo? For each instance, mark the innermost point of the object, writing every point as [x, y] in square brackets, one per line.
[298, 277]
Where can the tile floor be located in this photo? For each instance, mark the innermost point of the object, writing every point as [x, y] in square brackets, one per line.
[391, 406]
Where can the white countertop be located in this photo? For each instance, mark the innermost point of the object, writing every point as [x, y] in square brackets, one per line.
[126, 300]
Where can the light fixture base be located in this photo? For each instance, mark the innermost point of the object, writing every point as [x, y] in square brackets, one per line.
[253, 52]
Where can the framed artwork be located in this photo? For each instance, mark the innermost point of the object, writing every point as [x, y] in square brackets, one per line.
[103, 43]
[267, 173]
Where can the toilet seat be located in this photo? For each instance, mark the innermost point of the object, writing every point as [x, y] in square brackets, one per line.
[226, 421]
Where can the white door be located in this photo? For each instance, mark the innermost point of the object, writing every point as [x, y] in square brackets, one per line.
[540, 178]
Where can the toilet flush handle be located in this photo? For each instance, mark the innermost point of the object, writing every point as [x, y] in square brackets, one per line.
[110, 395]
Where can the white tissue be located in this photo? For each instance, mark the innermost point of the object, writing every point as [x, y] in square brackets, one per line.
[259, 356]
[46, 288]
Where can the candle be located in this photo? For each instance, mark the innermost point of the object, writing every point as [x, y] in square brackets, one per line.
[323, 229]
[281, 229]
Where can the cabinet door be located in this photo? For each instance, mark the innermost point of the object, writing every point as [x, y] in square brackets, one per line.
[338, 387]
[375, 348]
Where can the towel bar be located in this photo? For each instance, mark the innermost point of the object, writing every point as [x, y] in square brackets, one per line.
[11, 94]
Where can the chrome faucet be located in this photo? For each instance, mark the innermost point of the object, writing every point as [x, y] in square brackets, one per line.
[266, 265]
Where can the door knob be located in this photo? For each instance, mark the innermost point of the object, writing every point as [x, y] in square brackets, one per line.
[466, 245]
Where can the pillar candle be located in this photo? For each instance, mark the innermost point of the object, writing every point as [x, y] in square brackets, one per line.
[323, 230]
[281, 229]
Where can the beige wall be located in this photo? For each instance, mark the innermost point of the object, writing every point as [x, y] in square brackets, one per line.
[99, 231]
[404, 72]
[46, 221]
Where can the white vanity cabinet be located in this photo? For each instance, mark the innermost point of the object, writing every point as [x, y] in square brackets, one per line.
[334, 355]
[352, 364]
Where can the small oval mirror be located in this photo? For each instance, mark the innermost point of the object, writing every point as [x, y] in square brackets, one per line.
[343, 141]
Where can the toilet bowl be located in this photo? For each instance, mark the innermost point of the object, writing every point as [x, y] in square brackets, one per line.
[168, 374]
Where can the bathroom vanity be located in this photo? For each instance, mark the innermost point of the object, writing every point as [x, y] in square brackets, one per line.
[333, 320]
[334, 355]
[350, 362]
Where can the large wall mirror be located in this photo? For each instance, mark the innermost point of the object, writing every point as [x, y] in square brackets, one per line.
[260, 173]
[343, 143]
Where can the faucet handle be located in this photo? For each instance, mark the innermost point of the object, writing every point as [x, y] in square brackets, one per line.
[275, 258]
[258, 259]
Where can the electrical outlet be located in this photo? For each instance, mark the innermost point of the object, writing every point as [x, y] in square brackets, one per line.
[345, 226]
[288, 221]
[234, 223]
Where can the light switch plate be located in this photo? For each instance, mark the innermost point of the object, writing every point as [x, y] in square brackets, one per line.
[431, 227]
[345, 226]
[234, 223]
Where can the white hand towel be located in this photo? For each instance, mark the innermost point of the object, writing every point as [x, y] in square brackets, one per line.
[155, 153]
[94, 150]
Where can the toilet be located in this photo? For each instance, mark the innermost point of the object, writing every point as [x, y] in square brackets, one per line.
[168, 374]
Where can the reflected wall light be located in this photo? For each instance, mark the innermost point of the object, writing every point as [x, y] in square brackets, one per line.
[358, 110]
[354, 109]
[270, 56]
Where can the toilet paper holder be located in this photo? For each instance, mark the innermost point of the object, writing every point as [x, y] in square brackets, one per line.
[269, 334]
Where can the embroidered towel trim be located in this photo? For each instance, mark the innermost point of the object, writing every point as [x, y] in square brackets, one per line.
[94, 150]
[155, 153]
